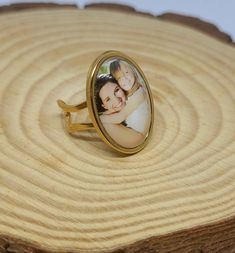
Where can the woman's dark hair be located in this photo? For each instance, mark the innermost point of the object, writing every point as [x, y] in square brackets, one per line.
[100, 82]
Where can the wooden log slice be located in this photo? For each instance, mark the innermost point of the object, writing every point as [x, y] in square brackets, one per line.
[63, 193]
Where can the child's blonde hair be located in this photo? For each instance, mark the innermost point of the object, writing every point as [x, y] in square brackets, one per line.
[115, 67]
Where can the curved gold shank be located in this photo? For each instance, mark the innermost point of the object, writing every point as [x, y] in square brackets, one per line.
[73, 127]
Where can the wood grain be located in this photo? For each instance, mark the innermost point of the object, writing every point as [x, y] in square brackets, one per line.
[72, 193]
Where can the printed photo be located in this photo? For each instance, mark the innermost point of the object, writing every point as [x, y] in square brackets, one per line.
[122, 102]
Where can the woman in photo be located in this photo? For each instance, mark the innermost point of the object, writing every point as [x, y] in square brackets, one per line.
[111, 100]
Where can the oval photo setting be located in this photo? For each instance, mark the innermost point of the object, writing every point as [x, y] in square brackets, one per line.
[123, 103]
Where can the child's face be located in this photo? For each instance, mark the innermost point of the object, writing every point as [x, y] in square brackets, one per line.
[126, 77]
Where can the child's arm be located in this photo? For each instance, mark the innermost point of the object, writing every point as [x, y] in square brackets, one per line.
[134, 101]
[126, 137]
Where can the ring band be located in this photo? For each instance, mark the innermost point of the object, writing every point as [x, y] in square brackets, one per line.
[119, 102]
[74, 127]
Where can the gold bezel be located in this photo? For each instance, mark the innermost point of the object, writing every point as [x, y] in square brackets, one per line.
[90, 86]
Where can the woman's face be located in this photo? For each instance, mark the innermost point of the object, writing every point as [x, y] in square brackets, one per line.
[113, 97]
[126, 77]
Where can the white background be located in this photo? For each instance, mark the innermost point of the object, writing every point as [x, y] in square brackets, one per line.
[219, 12]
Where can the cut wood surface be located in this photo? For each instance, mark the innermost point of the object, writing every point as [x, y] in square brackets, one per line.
[64, 193]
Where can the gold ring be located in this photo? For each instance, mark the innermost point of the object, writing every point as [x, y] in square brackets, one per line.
[119, 102]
